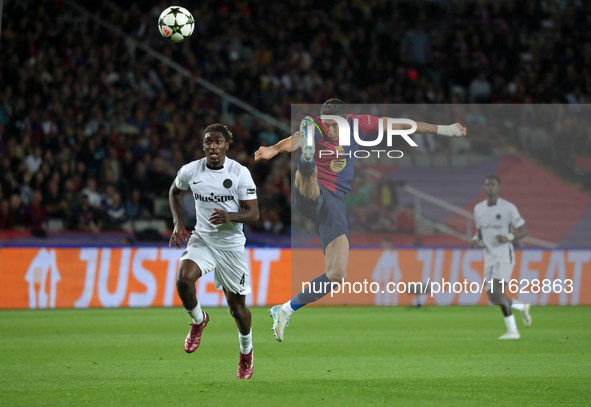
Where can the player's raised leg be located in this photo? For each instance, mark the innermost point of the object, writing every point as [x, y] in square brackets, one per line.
[336, 259]
[242, 316]
[524, 309]
[306, 179]
[307, 134]
[187, 274]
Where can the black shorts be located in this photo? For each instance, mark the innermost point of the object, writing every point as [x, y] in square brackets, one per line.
[328, 214]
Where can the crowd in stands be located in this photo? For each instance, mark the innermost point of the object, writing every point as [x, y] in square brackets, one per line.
[93, 129]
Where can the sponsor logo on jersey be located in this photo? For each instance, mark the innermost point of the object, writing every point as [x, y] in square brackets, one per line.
[492, 226]
[214, 198]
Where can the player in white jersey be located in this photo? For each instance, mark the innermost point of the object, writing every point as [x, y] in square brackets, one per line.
[499, 223]
[225, 198]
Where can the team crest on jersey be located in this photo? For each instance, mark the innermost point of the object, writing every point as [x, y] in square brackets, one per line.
[498, 216]
[338, 164]
[227, 182]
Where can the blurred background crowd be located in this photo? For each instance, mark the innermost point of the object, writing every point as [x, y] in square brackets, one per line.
[93, 129]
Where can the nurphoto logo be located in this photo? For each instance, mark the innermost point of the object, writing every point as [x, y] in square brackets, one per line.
[345, 136]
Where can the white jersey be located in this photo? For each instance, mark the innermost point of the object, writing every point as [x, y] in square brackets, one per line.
[222, 189]
[498, 219]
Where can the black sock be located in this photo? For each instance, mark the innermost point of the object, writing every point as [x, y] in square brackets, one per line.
[306, 168]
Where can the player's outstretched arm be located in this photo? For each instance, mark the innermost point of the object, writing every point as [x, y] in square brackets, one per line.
[287, 145]
[248, 214]
[180, 236]
[451, 130]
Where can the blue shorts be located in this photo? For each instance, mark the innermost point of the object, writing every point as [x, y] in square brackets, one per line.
[328, 213]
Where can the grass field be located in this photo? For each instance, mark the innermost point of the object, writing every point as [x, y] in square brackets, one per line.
[332, 356]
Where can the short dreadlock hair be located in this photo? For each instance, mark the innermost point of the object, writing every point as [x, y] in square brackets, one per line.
[334, 107]
[220, 128]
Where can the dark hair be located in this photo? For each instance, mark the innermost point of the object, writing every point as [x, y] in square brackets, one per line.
[220, 128]
[493, 176]
[334, 106]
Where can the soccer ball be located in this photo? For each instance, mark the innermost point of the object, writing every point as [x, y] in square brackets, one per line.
[176, 24]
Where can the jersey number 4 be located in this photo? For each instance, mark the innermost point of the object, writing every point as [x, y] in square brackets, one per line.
[242, 280]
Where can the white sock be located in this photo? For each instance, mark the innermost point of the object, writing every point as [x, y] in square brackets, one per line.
[511, 325]
[287, 308]
[245, 342]
[518, 305]
[197, 314]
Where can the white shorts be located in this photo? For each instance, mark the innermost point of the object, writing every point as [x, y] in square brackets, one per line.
[499, 270]
[229, 266]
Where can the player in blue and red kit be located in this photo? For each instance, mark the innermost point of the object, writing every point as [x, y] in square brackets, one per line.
[322, 181]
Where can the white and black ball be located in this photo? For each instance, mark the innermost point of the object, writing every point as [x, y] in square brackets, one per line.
[176, 24]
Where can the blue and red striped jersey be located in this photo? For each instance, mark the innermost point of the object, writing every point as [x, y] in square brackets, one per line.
[336, 173]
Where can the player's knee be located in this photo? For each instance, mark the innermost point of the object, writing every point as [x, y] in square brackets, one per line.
[337, 274]
[182, 284]
[497, 298]
[185, 277]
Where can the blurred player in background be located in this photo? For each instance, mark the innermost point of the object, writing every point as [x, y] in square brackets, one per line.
[496, 220]
[225, 198]
[321, 183]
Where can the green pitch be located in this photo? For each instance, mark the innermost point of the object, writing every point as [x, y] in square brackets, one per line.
[332, 356]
